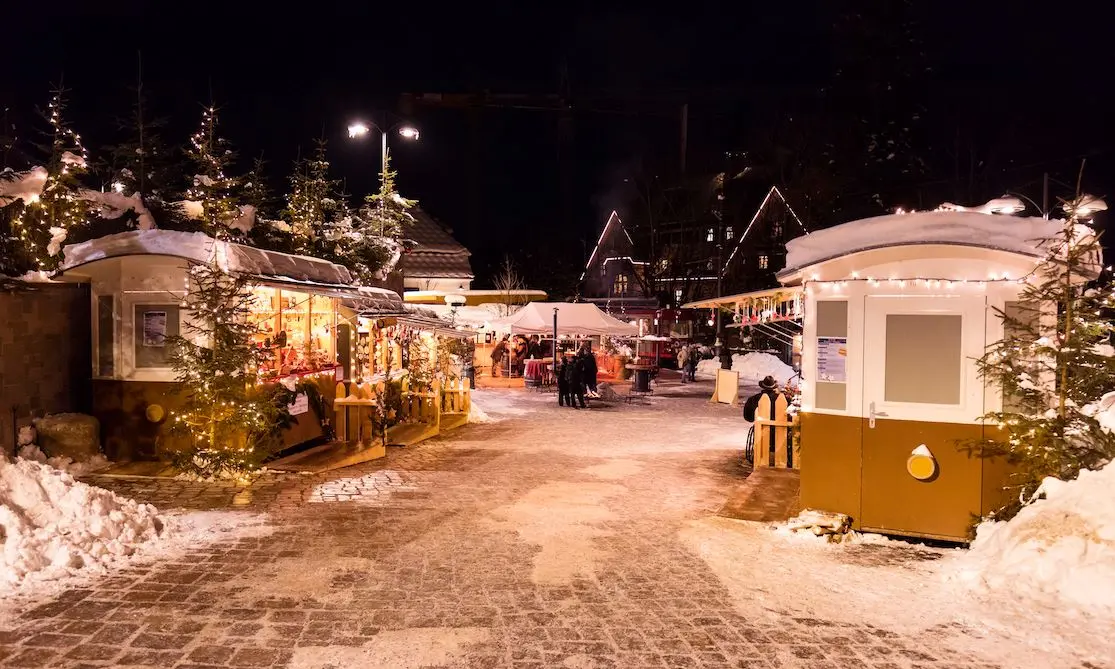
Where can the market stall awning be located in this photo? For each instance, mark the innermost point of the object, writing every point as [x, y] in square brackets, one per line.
[573, 318]
[473, 297]
[759, 306]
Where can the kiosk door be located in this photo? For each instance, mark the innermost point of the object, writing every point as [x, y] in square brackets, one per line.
[921, 394]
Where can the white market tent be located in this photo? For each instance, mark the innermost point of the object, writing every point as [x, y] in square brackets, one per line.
[573, 318]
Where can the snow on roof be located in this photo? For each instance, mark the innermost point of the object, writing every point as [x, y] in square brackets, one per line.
[198, 247]
[1020, 235]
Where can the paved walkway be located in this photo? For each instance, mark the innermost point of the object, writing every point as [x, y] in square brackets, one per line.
[549, 539]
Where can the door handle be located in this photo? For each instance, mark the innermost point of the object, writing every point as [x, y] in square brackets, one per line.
[872, 414]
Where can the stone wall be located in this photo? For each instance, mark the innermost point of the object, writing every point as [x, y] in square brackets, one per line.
[45, 352]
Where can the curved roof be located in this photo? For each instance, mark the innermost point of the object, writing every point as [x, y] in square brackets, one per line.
[199, 247]
[1021, 235]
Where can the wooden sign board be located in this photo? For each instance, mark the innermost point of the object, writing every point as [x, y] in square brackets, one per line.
[727, 387]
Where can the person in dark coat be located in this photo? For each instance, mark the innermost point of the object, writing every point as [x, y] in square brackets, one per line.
[534, 349]
[769, 387]
[588, 368]
[562, 384]
[574, 379]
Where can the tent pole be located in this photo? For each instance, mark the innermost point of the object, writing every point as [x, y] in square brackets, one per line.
[555, 354]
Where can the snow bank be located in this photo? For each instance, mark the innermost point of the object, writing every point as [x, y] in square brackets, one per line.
[1060, 548]
[1008, 233]
[66, 464]
[53, 526]
[752, 368]
[478, 415]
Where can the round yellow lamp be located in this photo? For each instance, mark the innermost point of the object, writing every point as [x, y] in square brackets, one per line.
[155, 413]
[921, 464]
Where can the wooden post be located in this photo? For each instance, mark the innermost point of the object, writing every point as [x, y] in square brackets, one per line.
[342, 413]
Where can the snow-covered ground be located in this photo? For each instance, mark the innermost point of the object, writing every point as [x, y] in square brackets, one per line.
[752, 368]
[57, 531]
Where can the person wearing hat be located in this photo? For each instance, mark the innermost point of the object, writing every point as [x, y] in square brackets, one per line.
[769, 387]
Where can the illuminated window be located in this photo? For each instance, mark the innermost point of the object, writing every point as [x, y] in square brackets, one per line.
[710, 235]
[619, 286]
[729, 233]
[663, 264]
[776, 229]
[677, 296]
[763, 262]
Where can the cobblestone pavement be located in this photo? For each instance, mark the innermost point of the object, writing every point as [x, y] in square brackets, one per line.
[545, 540]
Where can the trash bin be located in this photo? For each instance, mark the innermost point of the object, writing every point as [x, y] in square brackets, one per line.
[642, 381]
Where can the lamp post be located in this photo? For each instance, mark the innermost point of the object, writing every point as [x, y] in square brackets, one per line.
[359, 129]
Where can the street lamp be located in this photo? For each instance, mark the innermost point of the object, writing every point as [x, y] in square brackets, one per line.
[358, 129]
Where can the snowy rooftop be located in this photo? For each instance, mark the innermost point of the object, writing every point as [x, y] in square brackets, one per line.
[958, 228]
[199, 247]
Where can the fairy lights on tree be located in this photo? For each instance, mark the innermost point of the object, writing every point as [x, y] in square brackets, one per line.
[1055, 361]
[312, 203]
[211, 186]
[44, 221]
[228, 421]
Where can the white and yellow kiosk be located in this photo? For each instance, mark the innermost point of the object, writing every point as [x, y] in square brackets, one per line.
[896, 311]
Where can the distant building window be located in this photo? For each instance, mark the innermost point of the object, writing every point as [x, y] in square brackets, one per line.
[729, 233]
[776, 229]
[710, 235]
[764, 262]
[663, 264]
[677, 295]
[619, 286]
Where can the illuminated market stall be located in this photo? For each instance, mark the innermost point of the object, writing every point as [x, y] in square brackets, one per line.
[306, 310]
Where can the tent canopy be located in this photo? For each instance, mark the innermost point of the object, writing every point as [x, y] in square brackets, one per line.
[573, 318]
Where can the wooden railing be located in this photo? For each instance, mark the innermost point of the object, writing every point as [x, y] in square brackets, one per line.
[774, 432]
[455, 396]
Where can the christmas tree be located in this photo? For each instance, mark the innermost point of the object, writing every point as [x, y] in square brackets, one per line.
[1054, 362]
[211, 188]
[312, 204]
[377, 229]
[228, 421]
[42, 223]
[142, 164]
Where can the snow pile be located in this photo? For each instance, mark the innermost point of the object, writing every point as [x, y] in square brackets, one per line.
[965, 228]
[752, 368]
[1061, 547]
[1103, 411]
[52, 526]
[478, 415]
[66, 464]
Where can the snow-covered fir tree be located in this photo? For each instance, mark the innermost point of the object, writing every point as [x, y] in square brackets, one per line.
[1053, 369]
[386, 213]
[227, 421]
[312, 204]
[377, 229]
[211, 188]
[41, 223]
[143, 164]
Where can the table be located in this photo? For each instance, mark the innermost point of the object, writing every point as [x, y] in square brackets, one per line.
[642, 377]
[535, 370]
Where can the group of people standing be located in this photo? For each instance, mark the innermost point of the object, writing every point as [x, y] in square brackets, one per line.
[516, 354]
[576, 377]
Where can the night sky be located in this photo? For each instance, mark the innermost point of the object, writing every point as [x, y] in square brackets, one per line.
[1031, 87]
